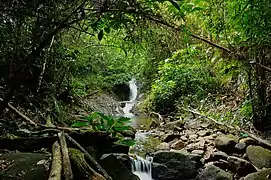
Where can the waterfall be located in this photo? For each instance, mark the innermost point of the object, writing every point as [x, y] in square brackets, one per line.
[142, 167]
[132, 99]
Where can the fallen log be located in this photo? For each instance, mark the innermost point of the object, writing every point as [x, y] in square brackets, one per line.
[89, 157]
[56, 166]
[81, 168]
[65, 157]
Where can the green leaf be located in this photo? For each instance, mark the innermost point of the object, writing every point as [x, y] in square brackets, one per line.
[124, 119]
[175, 4]
[127, 142]
[80, 124]
[107, 30]
[121, 128]
[101, 35]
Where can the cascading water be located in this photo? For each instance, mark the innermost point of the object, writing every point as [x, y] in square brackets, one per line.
[140, 167]
[130, 104]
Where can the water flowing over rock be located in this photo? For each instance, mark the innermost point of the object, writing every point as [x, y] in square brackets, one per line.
[142, 168]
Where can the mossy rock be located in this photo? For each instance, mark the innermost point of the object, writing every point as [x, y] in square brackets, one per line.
[23, 166]
[259, 156]
[226, 143]
[261, 175]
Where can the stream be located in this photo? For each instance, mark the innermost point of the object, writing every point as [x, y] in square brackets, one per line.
[140, 166]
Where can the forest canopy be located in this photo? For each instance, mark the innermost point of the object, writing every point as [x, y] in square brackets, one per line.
[210, 55]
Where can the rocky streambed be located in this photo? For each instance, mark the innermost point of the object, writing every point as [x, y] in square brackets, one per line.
[202, 150]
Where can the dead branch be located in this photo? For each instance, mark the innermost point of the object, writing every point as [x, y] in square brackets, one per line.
[19, 113]
[56, 167]
[89, 157]
[65, 157]
[44, 63]
[160, 117]
[82, 169]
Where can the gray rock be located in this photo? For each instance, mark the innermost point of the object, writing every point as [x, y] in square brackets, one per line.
[241, 147]
[162, 172]
[212, 172]
[185, 164]
[116, 169]
[19, 165]
[226, 143]
[259, 156]
[260, 175]
[240, 166]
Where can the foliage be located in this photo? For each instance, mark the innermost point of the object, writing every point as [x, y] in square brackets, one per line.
[184, 75]
[115, 126]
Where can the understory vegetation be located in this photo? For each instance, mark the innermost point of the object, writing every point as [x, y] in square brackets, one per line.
[211, 56]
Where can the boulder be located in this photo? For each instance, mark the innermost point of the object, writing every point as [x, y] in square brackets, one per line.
[116, 169]
[178, 145]
[18, 165]
[260, 175]
[259, 156]
[240, 166]
[212, 172]
[180, 161]
[226, 143]
[162, 172]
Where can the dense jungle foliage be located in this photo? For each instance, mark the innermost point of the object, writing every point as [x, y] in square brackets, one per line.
[209, 55]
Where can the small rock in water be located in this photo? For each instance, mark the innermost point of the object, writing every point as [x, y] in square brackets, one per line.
[259, 156]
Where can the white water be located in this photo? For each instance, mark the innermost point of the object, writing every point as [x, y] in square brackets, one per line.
[142, 168]
[132, 99]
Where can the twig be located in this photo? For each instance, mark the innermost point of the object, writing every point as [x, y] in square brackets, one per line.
[89, 157]
[56, 167]
[19, 113]
[66, 159]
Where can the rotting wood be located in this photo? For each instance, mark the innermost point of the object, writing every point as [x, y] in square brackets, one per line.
[65, 157]
[56, 167]
[89, 157]
[82, 169]
[238, 129]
